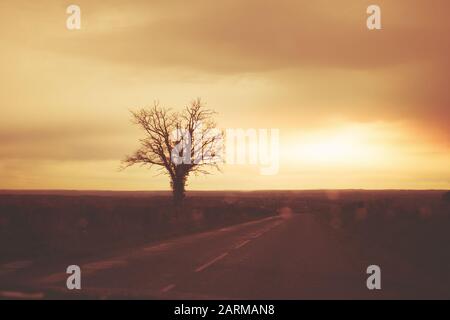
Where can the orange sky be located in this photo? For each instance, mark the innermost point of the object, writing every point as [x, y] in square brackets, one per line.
[355, 108]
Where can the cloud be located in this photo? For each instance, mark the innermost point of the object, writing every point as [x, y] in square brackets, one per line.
[70, 142]
[252, 36]
[296, 65]
[404, 66]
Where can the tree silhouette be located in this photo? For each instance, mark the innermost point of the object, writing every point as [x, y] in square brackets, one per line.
[177, 143]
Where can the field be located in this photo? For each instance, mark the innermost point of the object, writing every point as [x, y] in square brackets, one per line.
[406, 229]
[41, 224]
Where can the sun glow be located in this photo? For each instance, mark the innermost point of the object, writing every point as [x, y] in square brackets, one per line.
[348, 145]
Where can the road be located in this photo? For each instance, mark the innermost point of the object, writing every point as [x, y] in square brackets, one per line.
[294, 257]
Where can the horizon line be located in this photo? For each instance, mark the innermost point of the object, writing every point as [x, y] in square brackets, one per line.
[219, 190]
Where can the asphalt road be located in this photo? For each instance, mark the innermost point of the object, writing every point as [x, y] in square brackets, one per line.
[294, 257]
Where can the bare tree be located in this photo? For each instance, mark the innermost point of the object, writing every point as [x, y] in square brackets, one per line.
[177, 143]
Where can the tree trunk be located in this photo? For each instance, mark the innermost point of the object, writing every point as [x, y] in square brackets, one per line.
[178, 190]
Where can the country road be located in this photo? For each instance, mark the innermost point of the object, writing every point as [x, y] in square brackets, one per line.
[294, 257]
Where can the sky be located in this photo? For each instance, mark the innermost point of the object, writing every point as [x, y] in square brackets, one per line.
[355, 108]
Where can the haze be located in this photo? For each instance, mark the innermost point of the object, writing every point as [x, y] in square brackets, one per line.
[355, 108]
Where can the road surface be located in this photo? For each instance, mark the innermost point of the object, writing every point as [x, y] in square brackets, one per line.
[294, 257]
